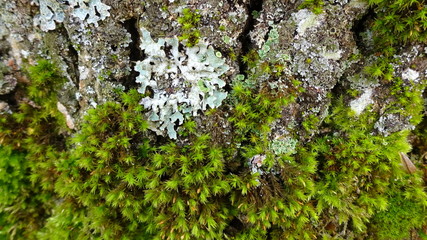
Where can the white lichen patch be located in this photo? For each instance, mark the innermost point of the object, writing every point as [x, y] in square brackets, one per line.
[4, 108]
[361, 82]
[411, 75]
[53, 12]
[359, 104]
[392, 123]
[182, 80]
[285, 145]
[331, 55]
[90, 11]
[305, 19]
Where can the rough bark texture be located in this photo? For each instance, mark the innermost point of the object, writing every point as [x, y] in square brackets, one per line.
[327, 52]
[187, 58]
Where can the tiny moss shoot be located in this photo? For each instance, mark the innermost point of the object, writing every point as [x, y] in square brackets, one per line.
[189, 20]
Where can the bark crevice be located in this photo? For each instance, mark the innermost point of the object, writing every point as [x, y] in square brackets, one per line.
[135, 52]
[244, 38]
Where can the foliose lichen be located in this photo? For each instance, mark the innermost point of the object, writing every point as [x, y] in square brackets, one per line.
[283, 146]
[52, 12]
[273, 38]
[183, 80]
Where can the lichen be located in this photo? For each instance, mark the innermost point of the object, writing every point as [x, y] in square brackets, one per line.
[7, 81]
[305, 19]
[273, 38]
[256, 162]
[52, 12]
[92, 11]
[359, 104]
[392, 123]
[410, 74]
[182, 80]
[283, 146]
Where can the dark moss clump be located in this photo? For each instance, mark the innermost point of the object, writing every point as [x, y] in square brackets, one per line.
[399, 22]
[104, 174]
[32, 140]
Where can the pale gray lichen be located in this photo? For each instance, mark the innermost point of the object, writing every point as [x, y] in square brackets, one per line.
[183, 80]
[305, 19]
[317, 55]
[4, 108]
[409, 74]
[285, 145]
[359, 104]
[52, 12]
[362, 81]
[390, 123]
[273, 38]
[340, 2]
[7, 81]
[90, 11]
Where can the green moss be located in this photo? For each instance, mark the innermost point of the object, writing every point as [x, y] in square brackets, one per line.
[350, 158]
[103, 175]
[409, 100]
[254, 112]
[36, 124]
[193, 200]
[114, 180]
[251, 59]
[353, 92]
[189, 21]
[398, 22]
[316, 6]
[381, 69]
[401, 216]
[14, 171]
[310, 123]
[33, 133]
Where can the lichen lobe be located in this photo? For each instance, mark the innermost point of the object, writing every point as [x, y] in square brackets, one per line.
[181, 80]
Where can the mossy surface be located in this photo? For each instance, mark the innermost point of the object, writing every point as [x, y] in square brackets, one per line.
[32, 144]
[399, 22]
[114, 178]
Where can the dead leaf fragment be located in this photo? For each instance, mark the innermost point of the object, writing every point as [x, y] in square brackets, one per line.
[407, 164]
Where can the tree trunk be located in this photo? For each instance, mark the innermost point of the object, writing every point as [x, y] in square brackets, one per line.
[311, 105]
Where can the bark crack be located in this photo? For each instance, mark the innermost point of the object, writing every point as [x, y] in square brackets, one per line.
[136, 54]
[244, 38]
